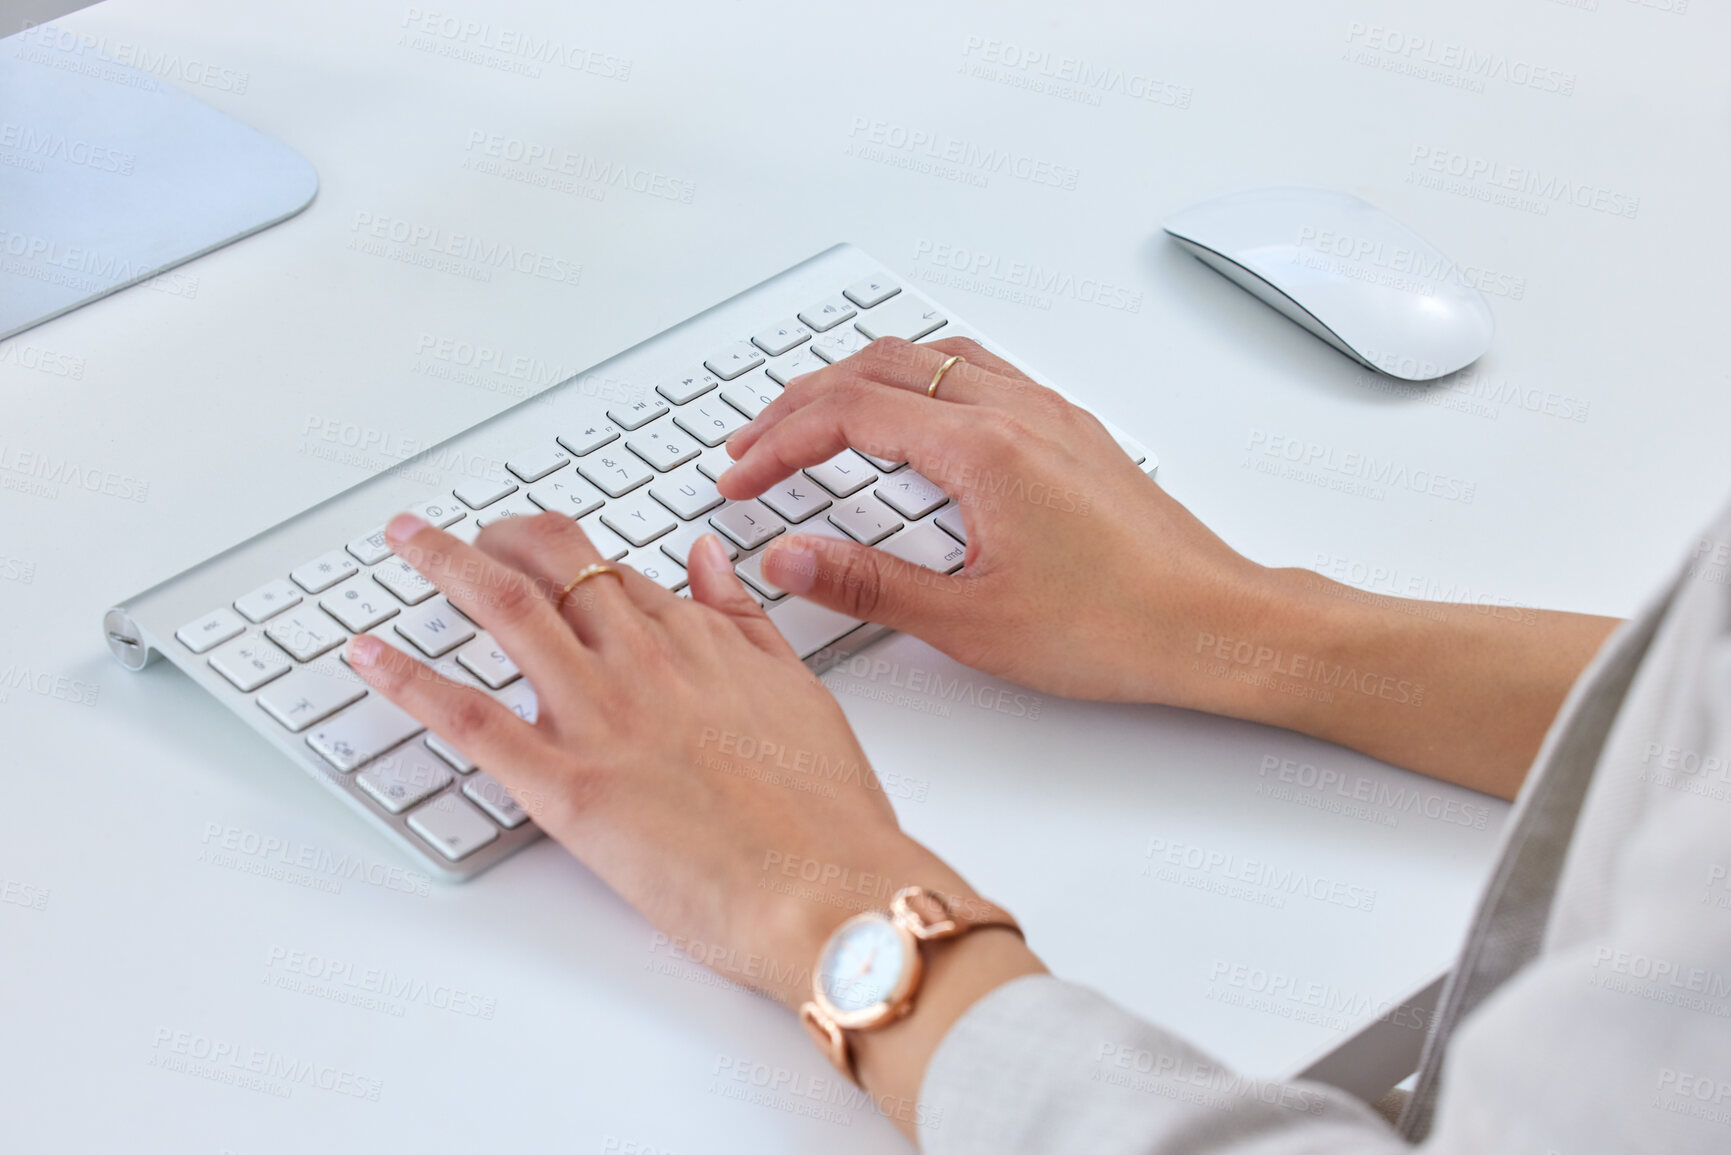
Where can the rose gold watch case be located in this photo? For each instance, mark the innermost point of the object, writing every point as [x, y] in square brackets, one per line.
[900, 999]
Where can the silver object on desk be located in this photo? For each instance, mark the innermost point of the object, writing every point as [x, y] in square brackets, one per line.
[631, 449]
[109, 177]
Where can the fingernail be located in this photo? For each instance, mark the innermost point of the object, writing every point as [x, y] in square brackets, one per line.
[714, 556]
[791, 563]
[404, 526]
[364, 650]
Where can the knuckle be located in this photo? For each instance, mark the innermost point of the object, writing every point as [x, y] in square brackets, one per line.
[470, 719]
[857, 584]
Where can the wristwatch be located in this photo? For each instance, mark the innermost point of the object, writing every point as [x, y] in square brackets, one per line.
[870, 969]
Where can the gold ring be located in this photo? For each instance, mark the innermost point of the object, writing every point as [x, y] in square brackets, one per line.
[932, 389]
[584, 575]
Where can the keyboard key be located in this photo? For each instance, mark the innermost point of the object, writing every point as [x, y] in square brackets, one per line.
[308, 694]
[867, 520]
[589, 438]
[305, 632]
[482, 657]
[663, 446]
[213, 629]
[803, 362]
[950, 521]
[610, 545]
[362, 732]
[884, 464]
[711, 422]
[927, 545]
[492, 797]
[519, 698]
[479, 492]
[844, 474]
[748, 523]
[616, 473]
[435, 628]
[809, 627]
[403, 777]
[403, 580]
[637, 414]
[750, 395]
[250, 662]
[535, 464]
[453, 827]
[796, 499]
[273, 597]
[871, 292]
[687, 388]
[714, 462]
[686, 492]
[655, 565]
[908, 317]
[751, 569]
[910, 494]
[359, 604]
[453, 757]
[838, 344]
[439, 512]
[370, 548]
[639, 519]
[734, 360]
[568, 494]
[325, 571]
[828, 313]
[778, 339]
[677, 545]
[517, 505]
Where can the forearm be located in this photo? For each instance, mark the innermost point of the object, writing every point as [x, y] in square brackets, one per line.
[1463, 693]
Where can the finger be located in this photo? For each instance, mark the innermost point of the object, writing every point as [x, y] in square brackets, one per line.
[552, 549]
[500, 598]
[888, 361]
[863, 583]
[977, 355]
[486, 732]
[887, 423]
[714, 584]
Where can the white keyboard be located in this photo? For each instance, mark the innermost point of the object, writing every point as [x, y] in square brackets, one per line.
[631, 449]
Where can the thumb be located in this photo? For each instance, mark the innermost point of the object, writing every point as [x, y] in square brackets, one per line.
[862, 583]
[714, 584]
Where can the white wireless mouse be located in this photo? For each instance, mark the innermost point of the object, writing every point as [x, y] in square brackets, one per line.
[1348, 272]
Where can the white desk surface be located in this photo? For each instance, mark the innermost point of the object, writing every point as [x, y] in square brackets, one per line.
[123, 924]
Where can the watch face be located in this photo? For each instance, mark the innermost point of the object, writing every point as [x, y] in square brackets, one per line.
[862, 964]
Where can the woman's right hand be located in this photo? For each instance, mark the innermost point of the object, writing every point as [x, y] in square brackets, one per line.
[1081, 577]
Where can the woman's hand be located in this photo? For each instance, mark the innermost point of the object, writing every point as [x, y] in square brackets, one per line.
[1082, 577]
[681, 750]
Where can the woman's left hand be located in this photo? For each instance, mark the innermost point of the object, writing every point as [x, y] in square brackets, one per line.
[681, 749]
